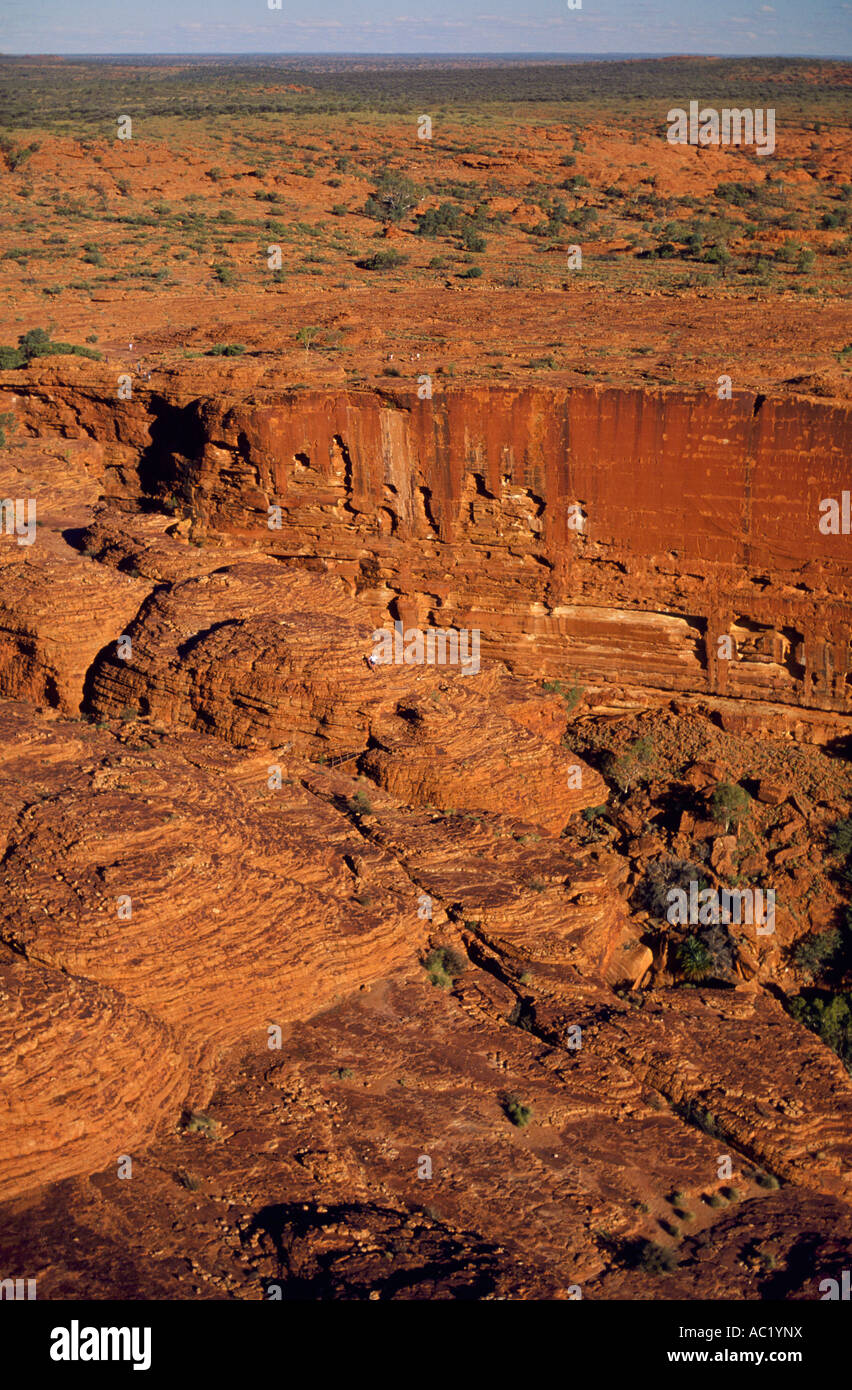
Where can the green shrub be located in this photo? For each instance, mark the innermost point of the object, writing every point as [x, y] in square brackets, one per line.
[519, 1114]
[440, 221]
[37, 343]
[571, 694]
[393, 197]
[631, 766]
[655, 1259]
[359, 803]
[818, 950]
[382, 260]
[444, 965]
[471, 240]
[730, 803]
[226, 350]
[699, 1115]
[830, 1019]
[195, 1122]
[840, 837]
[694, 960]
[717, 255]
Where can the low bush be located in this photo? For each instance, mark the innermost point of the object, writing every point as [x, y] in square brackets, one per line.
[730, 803]
[519, 1114]
[359, 803]
[195, 1122]
[382, 260]
[694, 960]
[444, 965]
[37, 342]
[830, 1019]
[655, 1259]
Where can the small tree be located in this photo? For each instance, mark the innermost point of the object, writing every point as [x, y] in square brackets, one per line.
[633, 765]
[35, 343]
[393, 197]
[730, 803]
[306, 337]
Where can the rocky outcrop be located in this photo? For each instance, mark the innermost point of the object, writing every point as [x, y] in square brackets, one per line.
[455, 750]
[57, 608]
[260, 654]
[46, 646]
[85, 1076]
[664, 540]
[175, 881]
[789, 1108]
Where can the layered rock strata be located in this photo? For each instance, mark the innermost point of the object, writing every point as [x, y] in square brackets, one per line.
[615, 533]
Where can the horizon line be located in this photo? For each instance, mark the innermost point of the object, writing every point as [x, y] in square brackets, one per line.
[604, 54]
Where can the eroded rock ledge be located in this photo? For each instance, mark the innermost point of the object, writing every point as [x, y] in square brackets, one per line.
[700, 517]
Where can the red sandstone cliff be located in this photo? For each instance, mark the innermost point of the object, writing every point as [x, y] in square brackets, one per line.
[700, 518]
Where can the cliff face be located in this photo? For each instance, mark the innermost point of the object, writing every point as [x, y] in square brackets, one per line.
[661, 540]
[626, 534]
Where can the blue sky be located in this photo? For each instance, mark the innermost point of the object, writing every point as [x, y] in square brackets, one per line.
[821, 27]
